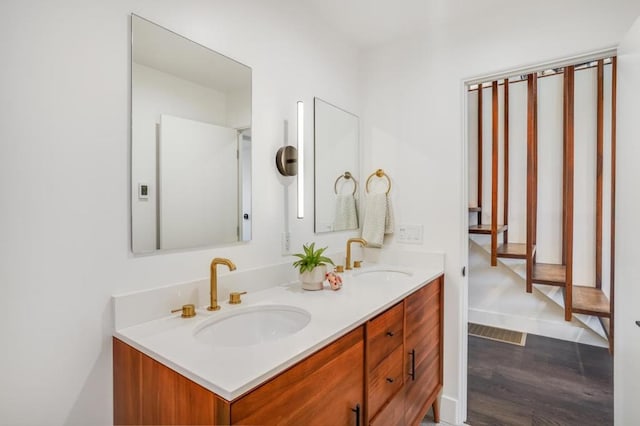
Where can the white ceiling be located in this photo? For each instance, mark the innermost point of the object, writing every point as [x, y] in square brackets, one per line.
[371, 22]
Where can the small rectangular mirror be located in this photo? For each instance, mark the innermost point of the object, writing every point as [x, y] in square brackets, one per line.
[190, 143]
[337, 168]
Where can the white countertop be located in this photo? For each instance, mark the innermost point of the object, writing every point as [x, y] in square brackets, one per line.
[232, 371]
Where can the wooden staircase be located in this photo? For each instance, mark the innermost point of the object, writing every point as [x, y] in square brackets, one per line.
[578, 299]
[554, 294]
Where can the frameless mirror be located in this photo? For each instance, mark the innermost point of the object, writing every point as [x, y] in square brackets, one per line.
[337, 180]
[190, 143]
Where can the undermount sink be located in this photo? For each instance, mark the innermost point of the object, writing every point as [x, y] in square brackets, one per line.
[384, 274]
[253, 326]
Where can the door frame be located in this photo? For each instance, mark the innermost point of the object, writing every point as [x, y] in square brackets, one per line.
[464, 201]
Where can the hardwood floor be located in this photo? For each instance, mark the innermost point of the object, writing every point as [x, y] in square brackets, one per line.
[546, 382]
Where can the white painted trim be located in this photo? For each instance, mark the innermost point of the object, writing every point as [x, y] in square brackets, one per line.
[554, 63]
[464, 254]
[570, 332]
[449, 409]
[461, 415]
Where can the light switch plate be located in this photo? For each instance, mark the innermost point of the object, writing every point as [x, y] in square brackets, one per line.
[410, 234]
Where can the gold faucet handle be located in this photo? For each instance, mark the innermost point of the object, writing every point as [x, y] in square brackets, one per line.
[188, 311]
[339, 268]
[357, 263]
[234, 297]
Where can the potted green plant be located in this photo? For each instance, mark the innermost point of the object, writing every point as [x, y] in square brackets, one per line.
[312, 266]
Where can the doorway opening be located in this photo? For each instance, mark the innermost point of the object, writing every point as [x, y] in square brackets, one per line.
[541, 193]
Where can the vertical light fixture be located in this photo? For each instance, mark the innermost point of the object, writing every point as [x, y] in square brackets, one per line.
[300, 159]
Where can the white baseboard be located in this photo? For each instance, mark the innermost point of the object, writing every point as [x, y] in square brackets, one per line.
[555, 329]
[449, 410]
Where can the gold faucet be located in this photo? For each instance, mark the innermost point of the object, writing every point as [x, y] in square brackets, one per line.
[362, 242]
[214, 280]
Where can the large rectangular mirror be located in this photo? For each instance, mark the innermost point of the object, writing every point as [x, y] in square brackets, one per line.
[337, 168]
[190, 143]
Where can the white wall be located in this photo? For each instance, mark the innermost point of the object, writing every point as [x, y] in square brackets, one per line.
[627, 342]
[413, 115]
[64, 178]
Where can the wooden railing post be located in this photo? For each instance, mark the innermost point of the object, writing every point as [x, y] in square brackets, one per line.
[599, 171]
[505, 208]
[479, 154]
[494, 174]
[531, 174]
[569, 84]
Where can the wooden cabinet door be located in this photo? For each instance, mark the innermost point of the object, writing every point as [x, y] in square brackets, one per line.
[126, 384]
[325, 389]
[149, 393]
[423, 350]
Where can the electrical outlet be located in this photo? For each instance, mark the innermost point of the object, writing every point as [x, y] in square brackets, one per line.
[410, 234]
[285, 243]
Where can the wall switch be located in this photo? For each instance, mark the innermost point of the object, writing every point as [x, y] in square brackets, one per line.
[285, 244]
[143, 191]
[410, 234]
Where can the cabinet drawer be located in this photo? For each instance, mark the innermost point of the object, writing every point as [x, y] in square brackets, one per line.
[323, 389]
[392, 414]
[385, 381]
[384, 334]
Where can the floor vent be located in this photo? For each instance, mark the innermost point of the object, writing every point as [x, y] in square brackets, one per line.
[498, 334]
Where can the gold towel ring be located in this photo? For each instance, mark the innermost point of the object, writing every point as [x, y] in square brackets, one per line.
[379, 173]
[347, 175]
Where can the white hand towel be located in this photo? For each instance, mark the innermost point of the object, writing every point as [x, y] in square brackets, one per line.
[346, 216]
[388, 220]
[375, 218]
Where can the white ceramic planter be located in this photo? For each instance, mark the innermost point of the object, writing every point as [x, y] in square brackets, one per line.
[314, 279]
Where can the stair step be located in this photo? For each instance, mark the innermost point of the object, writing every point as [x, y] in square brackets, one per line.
[590, 301]
[475, 209]
[513, 250]
[552, 292]
[485, 229]
[556, 294]
[550, 274]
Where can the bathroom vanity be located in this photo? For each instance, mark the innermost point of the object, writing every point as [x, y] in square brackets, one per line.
[370, 354]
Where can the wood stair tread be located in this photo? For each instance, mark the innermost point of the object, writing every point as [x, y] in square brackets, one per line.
[512, 250]
[485, 229]
[550, 274]
[590, 301]
[474, 209]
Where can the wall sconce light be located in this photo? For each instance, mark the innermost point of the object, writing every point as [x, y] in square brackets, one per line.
[300, 126]
[290, 161]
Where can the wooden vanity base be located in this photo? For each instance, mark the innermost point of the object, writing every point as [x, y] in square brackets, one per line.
[387, 371]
